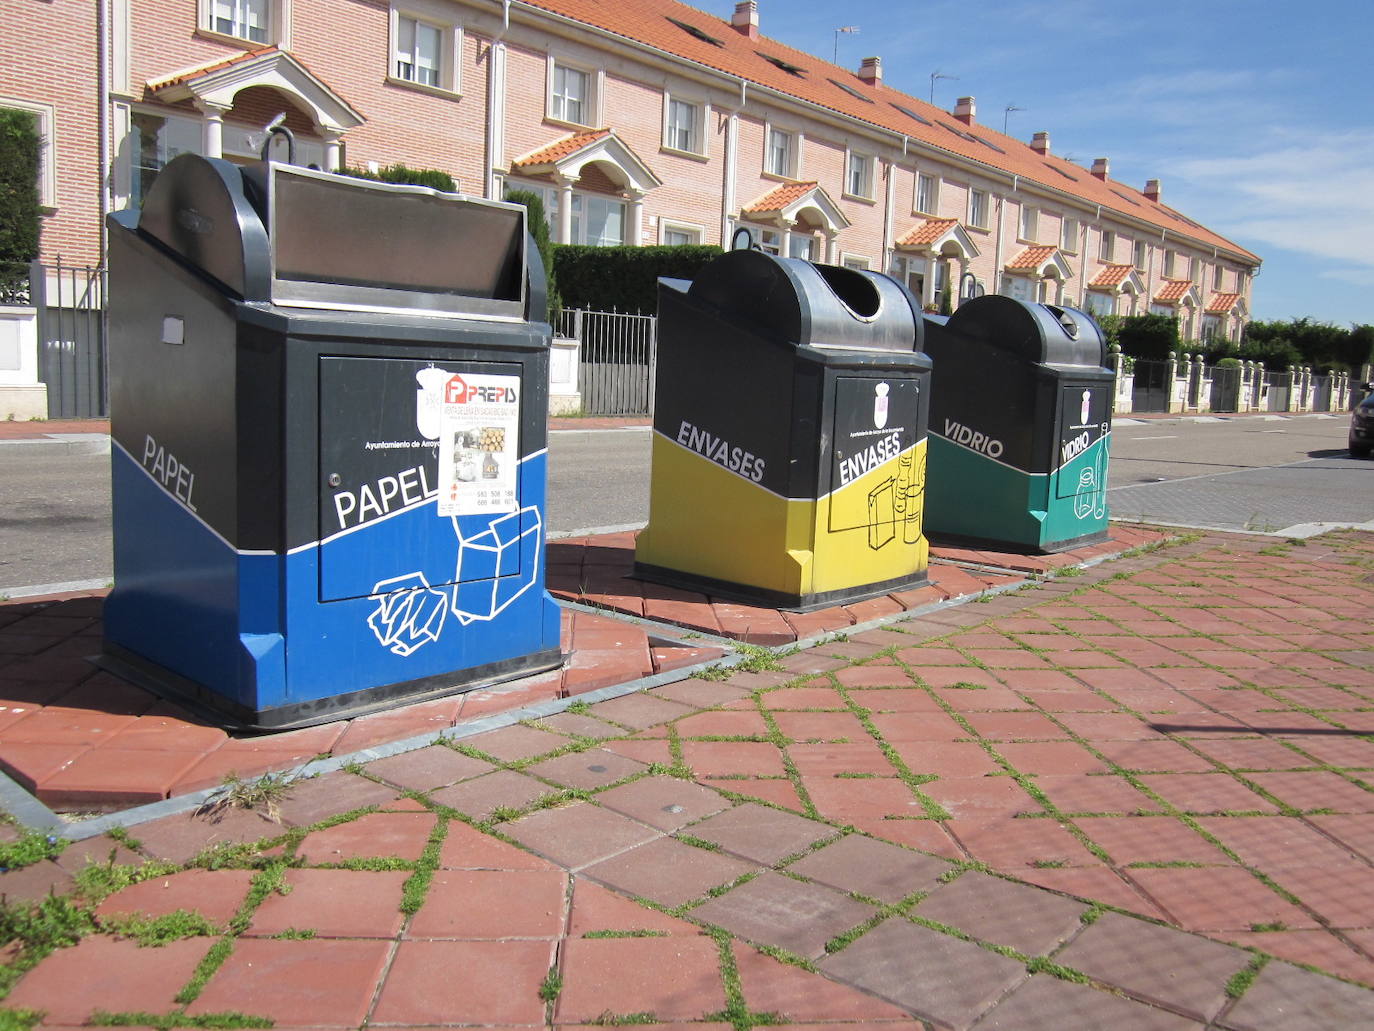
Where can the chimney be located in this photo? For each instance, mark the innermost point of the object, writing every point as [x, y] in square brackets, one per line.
[871, 70]
[746, 18]
[1040, 143]
[964, 110]
[1100, 168]
[1153, 190]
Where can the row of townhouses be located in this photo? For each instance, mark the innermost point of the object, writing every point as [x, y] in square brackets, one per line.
[647, 122]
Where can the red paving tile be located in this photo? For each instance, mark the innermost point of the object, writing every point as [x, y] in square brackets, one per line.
[1217, 899]
[496, 981]
[297, 983]
[798, 996]
[492, 904]
[102, 973]
[214, 894]
[674, 978]
[333, 904]
[397, 835]
[596, 910]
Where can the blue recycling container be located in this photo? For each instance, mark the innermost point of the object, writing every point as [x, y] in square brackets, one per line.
[328, 403]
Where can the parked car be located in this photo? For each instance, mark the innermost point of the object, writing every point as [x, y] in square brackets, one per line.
[1362, 424]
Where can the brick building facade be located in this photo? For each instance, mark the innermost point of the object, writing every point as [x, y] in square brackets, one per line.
[645, 122]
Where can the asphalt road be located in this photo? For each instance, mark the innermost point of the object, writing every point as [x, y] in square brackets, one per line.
[1259, 473]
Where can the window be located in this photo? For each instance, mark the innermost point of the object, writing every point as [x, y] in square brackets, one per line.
[1030, 223]
[855, 262]
[1100, 303]
[1218, 277]
[44, 126]
[683, 127]
[978, 208]
[780, 153]
[597, 219]
[570, 94]
[1108, 248]
[859, 178]
[424, 46]
[1069, 235]
[927, 193]
[910, 272]
[769, 241]
[1170, 263]
[153, 141]
[672, 234]
[1140, 256]
[802, 245]
[245, 19]
[417, 51]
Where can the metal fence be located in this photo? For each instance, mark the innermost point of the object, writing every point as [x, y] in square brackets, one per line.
[70, 301]
[619, 355]
[1151, 387]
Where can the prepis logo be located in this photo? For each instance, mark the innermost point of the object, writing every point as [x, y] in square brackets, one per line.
[458, 391]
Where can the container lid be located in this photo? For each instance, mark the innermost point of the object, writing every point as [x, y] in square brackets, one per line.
[796, 302]
[1040, 333]
[298, 237]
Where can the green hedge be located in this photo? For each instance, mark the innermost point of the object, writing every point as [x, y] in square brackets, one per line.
[20, 217]
[538, 223]
[431, 177]
[1305, 342]
[623, 279]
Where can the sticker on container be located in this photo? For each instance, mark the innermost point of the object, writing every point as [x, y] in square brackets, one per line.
[479, 445]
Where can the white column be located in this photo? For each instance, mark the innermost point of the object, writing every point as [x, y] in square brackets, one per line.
[331, 150]
[565, 206]
[636, 219]
[831, 258]
[212, 134]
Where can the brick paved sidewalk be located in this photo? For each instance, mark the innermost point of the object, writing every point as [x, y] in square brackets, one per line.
[1137, 797]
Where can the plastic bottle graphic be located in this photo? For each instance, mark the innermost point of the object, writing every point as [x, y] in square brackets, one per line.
[880, 405]
[1087, 404]
[911, 490]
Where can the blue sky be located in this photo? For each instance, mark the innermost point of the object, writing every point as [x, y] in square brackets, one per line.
[1258, 116]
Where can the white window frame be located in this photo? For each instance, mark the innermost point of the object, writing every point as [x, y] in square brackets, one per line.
[974, 214]
[435, 16]
[905, 267]
[1107, 246]
[860, 187]
[666, 226]
[934, 194]
[794, 148]
[1218, 276]
[45, 118]
[591, 103]
[700, 110]
[1068, 234]
[858, 262]
[1140, 256]
[1030, 223]
[550, 195]
[1170, 264]
[278, 27]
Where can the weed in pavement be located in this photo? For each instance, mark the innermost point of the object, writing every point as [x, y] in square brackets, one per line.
[264, 795]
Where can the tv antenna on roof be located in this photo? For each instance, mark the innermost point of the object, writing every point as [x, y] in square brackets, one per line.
[937, 74]
[1006, 114]
[853, 30]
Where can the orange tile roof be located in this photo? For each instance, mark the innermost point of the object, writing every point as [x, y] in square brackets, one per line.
[1112, 275]
[187, 74]
[1173, 291]
[560, 149]
[712, 42]
[928, 232]
[1221, 304]
[779, 198]
[1032, 257]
